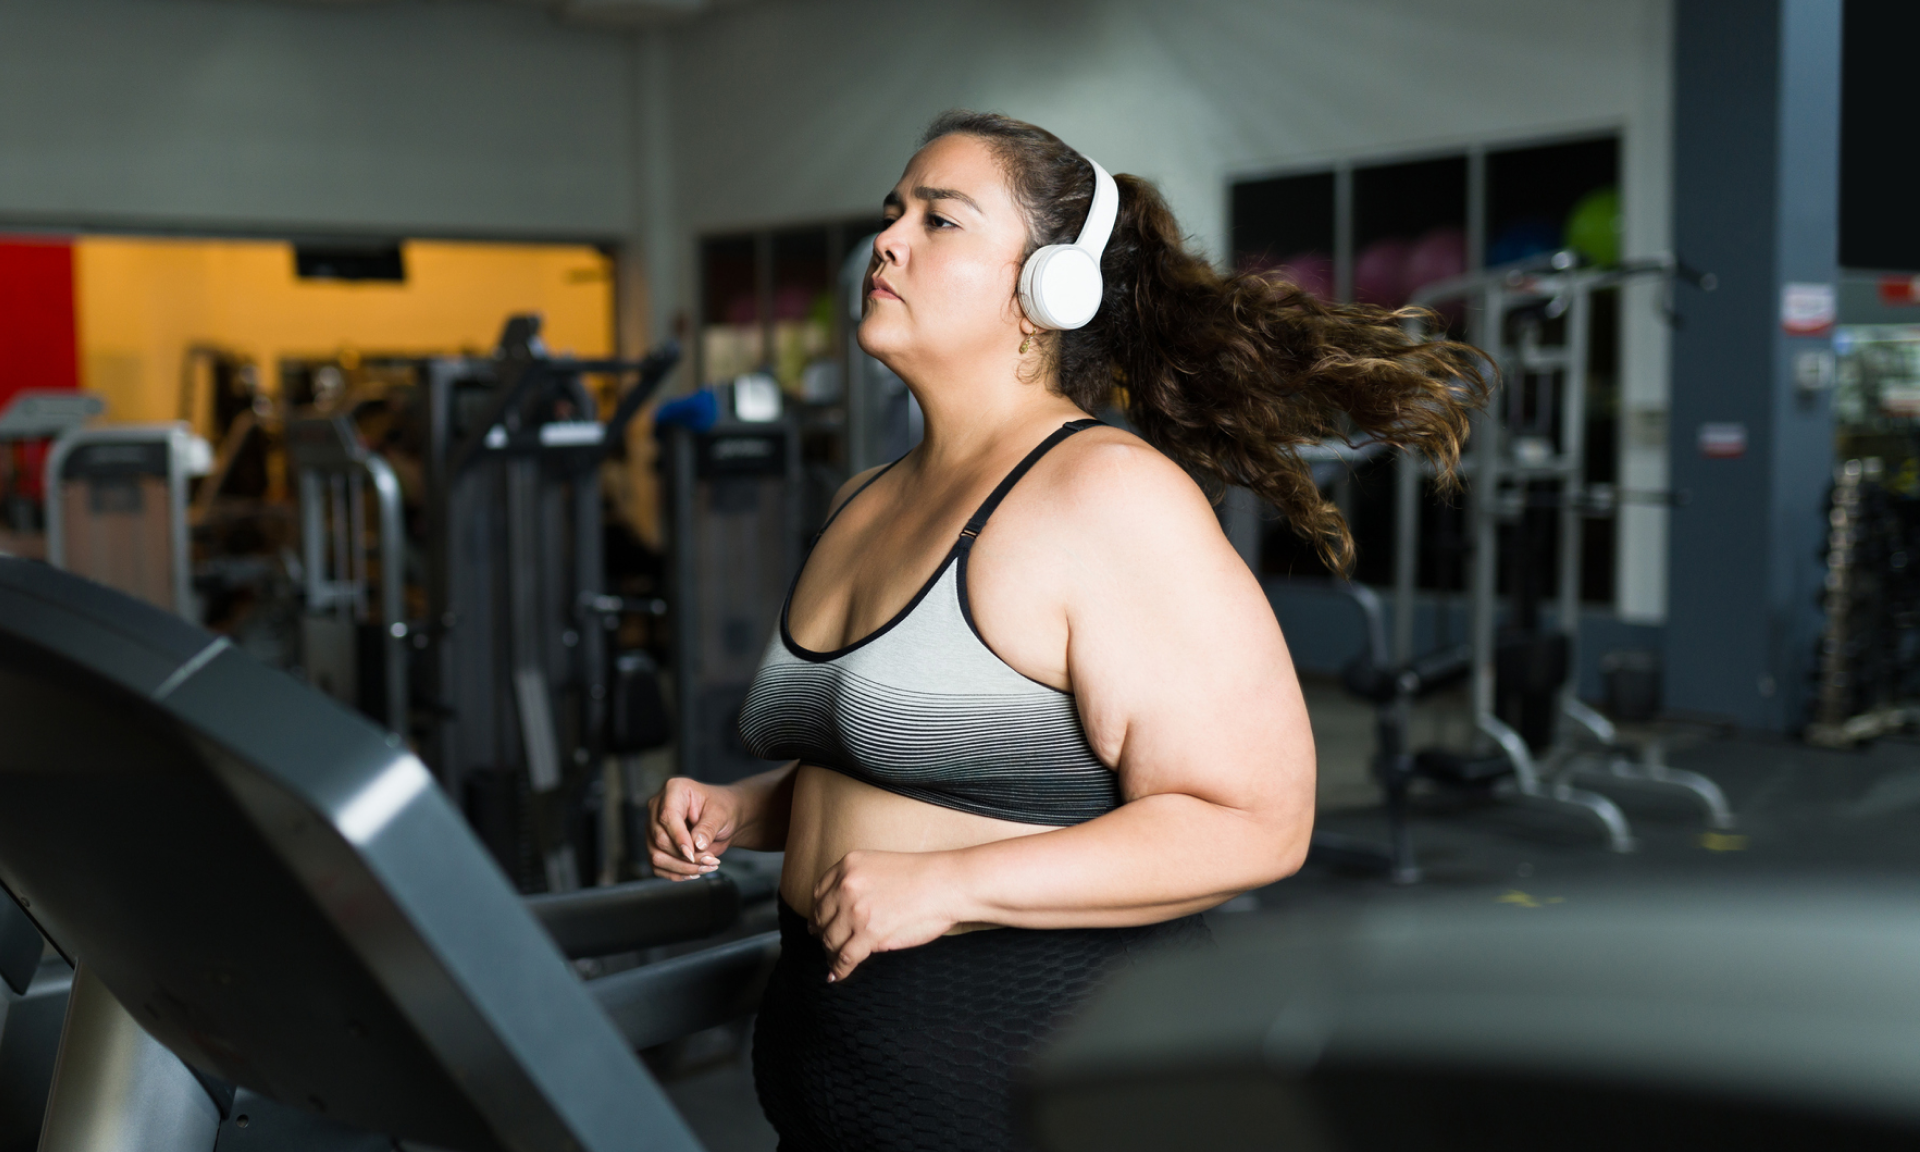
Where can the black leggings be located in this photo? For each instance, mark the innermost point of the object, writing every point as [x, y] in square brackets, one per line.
[919, 1049]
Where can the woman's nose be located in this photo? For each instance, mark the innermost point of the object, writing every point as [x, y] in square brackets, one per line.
[890, 246]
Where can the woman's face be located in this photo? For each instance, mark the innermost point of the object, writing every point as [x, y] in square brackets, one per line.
[940, 289]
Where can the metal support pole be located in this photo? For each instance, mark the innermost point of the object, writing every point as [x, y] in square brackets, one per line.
[357, 533]
[1406, 551]
[313, 539]
[1483, 492]
[1343, 232]
[685, 599]
[537, 734]
[393, 579]
[117, 1089]
[532, 689]
[1476, 207]
[1573, 476]
[589, 578]
[339, 568]
[179, 538]
[441, 623]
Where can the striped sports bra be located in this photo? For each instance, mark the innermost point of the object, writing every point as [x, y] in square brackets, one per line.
[923, 707]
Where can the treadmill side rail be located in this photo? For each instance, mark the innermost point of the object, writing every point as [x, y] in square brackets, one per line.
[656, 1002]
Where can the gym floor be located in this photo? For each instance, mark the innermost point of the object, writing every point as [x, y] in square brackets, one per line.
[1802, 811]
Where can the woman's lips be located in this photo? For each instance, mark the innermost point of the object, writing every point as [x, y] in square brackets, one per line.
[882, 290]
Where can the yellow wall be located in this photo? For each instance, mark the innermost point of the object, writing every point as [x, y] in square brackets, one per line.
[141, 303]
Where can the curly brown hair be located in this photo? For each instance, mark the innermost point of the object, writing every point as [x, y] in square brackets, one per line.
[1230, 375]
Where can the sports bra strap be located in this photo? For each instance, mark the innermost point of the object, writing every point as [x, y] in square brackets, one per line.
[979, 520]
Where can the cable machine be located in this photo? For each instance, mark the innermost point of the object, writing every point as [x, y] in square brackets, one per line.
[1526, 466]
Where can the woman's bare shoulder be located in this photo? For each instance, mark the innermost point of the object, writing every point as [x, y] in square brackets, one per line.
[1109, 478]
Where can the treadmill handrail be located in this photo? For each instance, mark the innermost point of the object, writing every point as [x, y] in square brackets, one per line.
[655, 1003]
[640, 914]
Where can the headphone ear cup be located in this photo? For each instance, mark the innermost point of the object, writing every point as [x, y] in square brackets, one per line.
[1060, 286]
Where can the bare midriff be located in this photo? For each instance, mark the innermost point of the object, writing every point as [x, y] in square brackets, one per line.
[834, 814]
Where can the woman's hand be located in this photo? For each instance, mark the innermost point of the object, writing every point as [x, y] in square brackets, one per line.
[689, 826]
[882, 901]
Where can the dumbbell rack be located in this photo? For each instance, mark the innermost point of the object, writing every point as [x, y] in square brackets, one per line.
[1509, 453]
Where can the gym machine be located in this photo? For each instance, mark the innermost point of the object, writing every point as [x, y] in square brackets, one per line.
[514, 641]
[451, 581]
[341, 621]
[1392, 689]
[731, 464]
[34, 416]
[117, 508]
[245, 530]
[1676, 1018]
[1525, 465]
[283, 935]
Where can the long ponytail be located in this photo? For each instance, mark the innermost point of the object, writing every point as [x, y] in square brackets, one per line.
[1231, 375]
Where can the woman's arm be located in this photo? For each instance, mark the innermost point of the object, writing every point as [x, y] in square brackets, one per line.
[1185, 687]
[693, 823]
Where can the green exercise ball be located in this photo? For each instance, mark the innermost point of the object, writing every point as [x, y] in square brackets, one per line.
[1593, 227]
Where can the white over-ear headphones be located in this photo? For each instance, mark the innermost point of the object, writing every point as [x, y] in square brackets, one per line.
[1060, 285]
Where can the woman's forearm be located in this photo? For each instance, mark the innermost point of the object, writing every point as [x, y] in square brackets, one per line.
[1153, 859]
[765, 807]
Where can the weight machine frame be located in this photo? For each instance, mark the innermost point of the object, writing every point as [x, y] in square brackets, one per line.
[552, 628]
[1556, 287]
[334, 469]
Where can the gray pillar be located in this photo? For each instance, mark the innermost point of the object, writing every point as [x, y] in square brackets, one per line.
[1240, 520]
[1756, 181]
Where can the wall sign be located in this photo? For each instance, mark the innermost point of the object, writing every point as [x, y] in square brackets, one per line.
[1898, 290]
[1814, 369]
[1723, 441]
[1808, 309]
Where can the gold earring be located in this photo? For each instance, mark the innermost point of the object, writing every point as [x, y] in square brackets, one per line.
[1026, 344]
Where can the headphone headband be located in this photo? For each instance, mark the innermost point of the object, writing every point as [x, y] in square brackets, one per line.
[1101, 213]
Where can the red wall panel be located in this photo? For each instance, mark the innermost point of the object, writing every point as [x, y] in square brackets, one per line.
[39, 344]
[39, 347]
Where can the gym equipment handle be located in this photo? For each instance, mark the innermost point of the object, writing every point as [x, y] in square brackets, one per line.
[658, 1002]
[640, 914]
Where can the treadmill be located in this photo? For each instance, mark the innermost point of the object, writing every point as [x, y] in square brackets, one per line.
[1681, 1014]
[283, 933]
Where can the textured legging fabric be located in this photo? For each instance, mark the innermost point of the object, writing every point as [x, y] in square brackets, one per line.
[920, 1049]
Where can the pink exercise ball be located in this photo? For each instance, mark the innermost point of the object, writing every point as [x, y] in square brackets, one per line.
[792, 303]
[1439, 255]
[1380, 273]
[1311, 272]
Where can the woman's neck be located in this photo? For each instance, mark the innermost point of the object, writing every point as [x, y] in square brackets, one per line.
[969, 424]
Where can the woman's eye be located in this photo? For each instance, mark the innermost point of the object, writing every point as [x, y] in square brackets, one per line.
[935, 221]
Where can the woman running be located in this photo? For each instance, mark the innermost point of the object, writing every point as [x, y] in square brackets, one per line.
[1038, 711]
